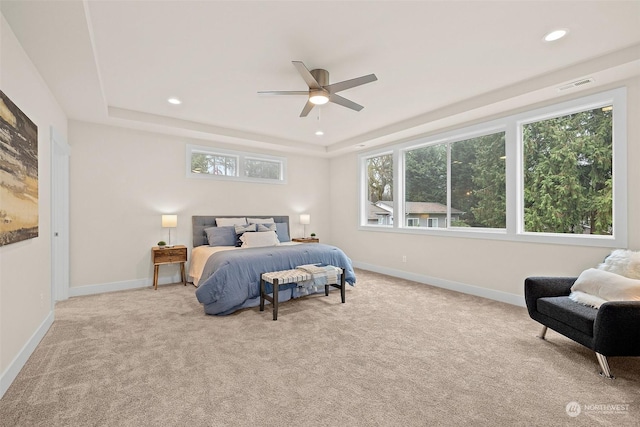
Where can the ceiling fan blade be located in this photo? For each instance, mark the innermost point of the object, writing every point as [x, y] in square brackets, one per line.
[348, 84]
[337, 99]
[306, 75]
[283, 92]
[307, 108]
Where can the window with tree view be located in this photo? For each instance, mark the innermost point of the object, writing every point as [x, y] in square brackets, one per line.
[234, 165]
[476, 183]
[380, 189]
[568, 173]
[214, 164]
[259, 168]
[555, 174]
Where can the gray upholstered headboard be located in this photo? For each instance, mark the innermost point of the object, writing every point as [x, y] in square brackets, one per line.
[202, 222]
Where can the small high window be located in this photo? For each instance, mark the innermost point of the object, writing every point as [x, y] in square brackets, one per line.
[210, 162]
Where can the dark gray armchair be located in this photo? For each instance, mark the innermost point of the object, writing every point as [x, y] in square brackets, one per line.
[611, 330]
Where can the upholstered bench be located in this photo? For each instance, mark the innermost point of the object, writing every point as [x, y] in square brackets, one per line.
[611, 330]
[569, 312]
[297, 275]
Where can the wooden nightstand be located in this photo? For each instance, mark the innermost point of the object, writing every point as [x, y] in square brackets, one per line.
[171, 255]
[306, 240]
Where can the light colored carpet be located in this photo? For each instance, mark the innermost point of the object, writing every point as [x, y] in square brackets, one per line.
[398, 353]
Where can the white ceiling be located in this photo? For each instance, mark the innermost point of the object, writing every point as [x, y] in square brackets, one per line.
[437, 62]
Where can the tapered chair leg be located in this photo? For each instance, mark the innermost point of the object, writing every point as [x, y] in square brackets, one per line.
[604, 365]
[542, 333]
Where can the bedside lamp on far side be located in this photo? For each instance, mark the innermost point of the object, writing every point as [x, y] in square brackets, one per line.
[305, 219]
[169, 221]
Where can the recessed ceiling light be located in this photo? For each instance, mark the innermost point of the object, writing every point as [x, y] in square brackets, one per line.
[173, 100]
[319, 133]
[556, 35]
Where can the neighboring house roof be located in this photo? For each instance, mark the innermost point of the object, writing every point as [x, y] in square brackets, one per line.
[420, 207]
[376, 211]
[384, 207]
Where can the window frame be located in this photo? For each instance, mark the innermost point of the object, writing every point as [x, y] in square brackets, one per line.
[242, 158]
[514, 152]
[364, 187]
[411, 220]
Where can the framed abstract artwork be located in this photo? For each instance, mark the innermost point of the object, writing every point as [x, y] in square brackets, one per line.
[18, 174]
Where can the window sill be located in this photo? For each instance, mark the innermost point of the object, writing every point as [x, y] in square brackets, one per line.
[501, 234]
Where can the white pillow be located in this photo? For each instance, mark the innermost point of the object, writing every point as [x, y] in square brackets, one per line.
[602, 286]
[260, 220]
[258, 240]
[623, 262]
[230, 222]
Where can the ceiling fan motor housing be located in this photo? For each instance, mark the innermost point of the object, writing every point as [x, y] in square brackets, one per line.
[321, 76]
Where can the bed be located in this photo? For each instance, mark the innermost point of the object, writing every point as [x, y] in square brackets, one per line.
[228, 277]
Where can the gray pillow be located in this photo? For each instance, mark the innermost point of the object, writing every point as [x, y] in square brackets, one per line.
[241, 229]
[266, 227]
[282, 230]
[221, 236]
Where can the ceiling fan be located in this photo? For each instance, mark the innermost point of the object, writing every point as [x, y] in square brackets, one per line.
[320, 91]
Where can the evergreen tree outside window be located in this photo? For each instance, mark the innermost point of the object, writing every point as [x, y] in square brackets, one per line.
[425, 174]
[555, 174]
[478, 181]
[568, 170]
[473, 173]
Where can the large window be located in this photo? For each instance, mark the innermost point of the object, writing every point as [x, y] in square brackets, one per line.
[462, 180]
[555, 174]
[379, 184]
[568, 173]
[234, 165]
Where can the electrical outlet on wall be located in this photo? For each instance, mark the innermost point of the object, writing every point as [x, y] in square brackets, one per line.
[404, 258]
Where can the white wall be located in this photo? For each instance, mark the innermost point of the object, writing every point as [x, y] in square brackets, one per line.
[122, 181]
[25, 267]
[496, 269]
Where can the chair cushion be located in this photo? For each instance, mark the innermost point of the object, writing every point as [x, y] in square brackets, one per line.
[569, 312]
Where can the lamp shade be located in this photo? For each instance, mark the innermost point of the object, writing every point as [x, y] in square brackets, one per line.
[305, 219]
[169, 221]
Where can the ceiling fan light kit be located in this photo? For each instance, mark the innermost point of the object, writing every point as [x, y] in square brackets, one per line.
[318, 96]
[320, 91]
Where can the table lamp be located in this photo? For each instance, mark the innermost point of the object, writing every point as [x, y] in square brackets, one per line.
[169, 221]
[305, 219]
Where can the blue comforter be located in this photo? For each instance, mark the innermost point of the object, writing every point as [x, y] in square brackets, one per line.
[231, 279]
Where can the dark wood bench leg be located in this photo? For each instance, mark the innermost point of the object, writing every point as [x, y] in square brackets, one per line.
[275, 299]
[261, 294]
[342, 286]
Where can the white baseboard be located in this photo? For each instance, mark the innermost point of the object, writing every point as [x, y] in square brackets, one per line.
[12, 371]
[446, 284]
[120, 286]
